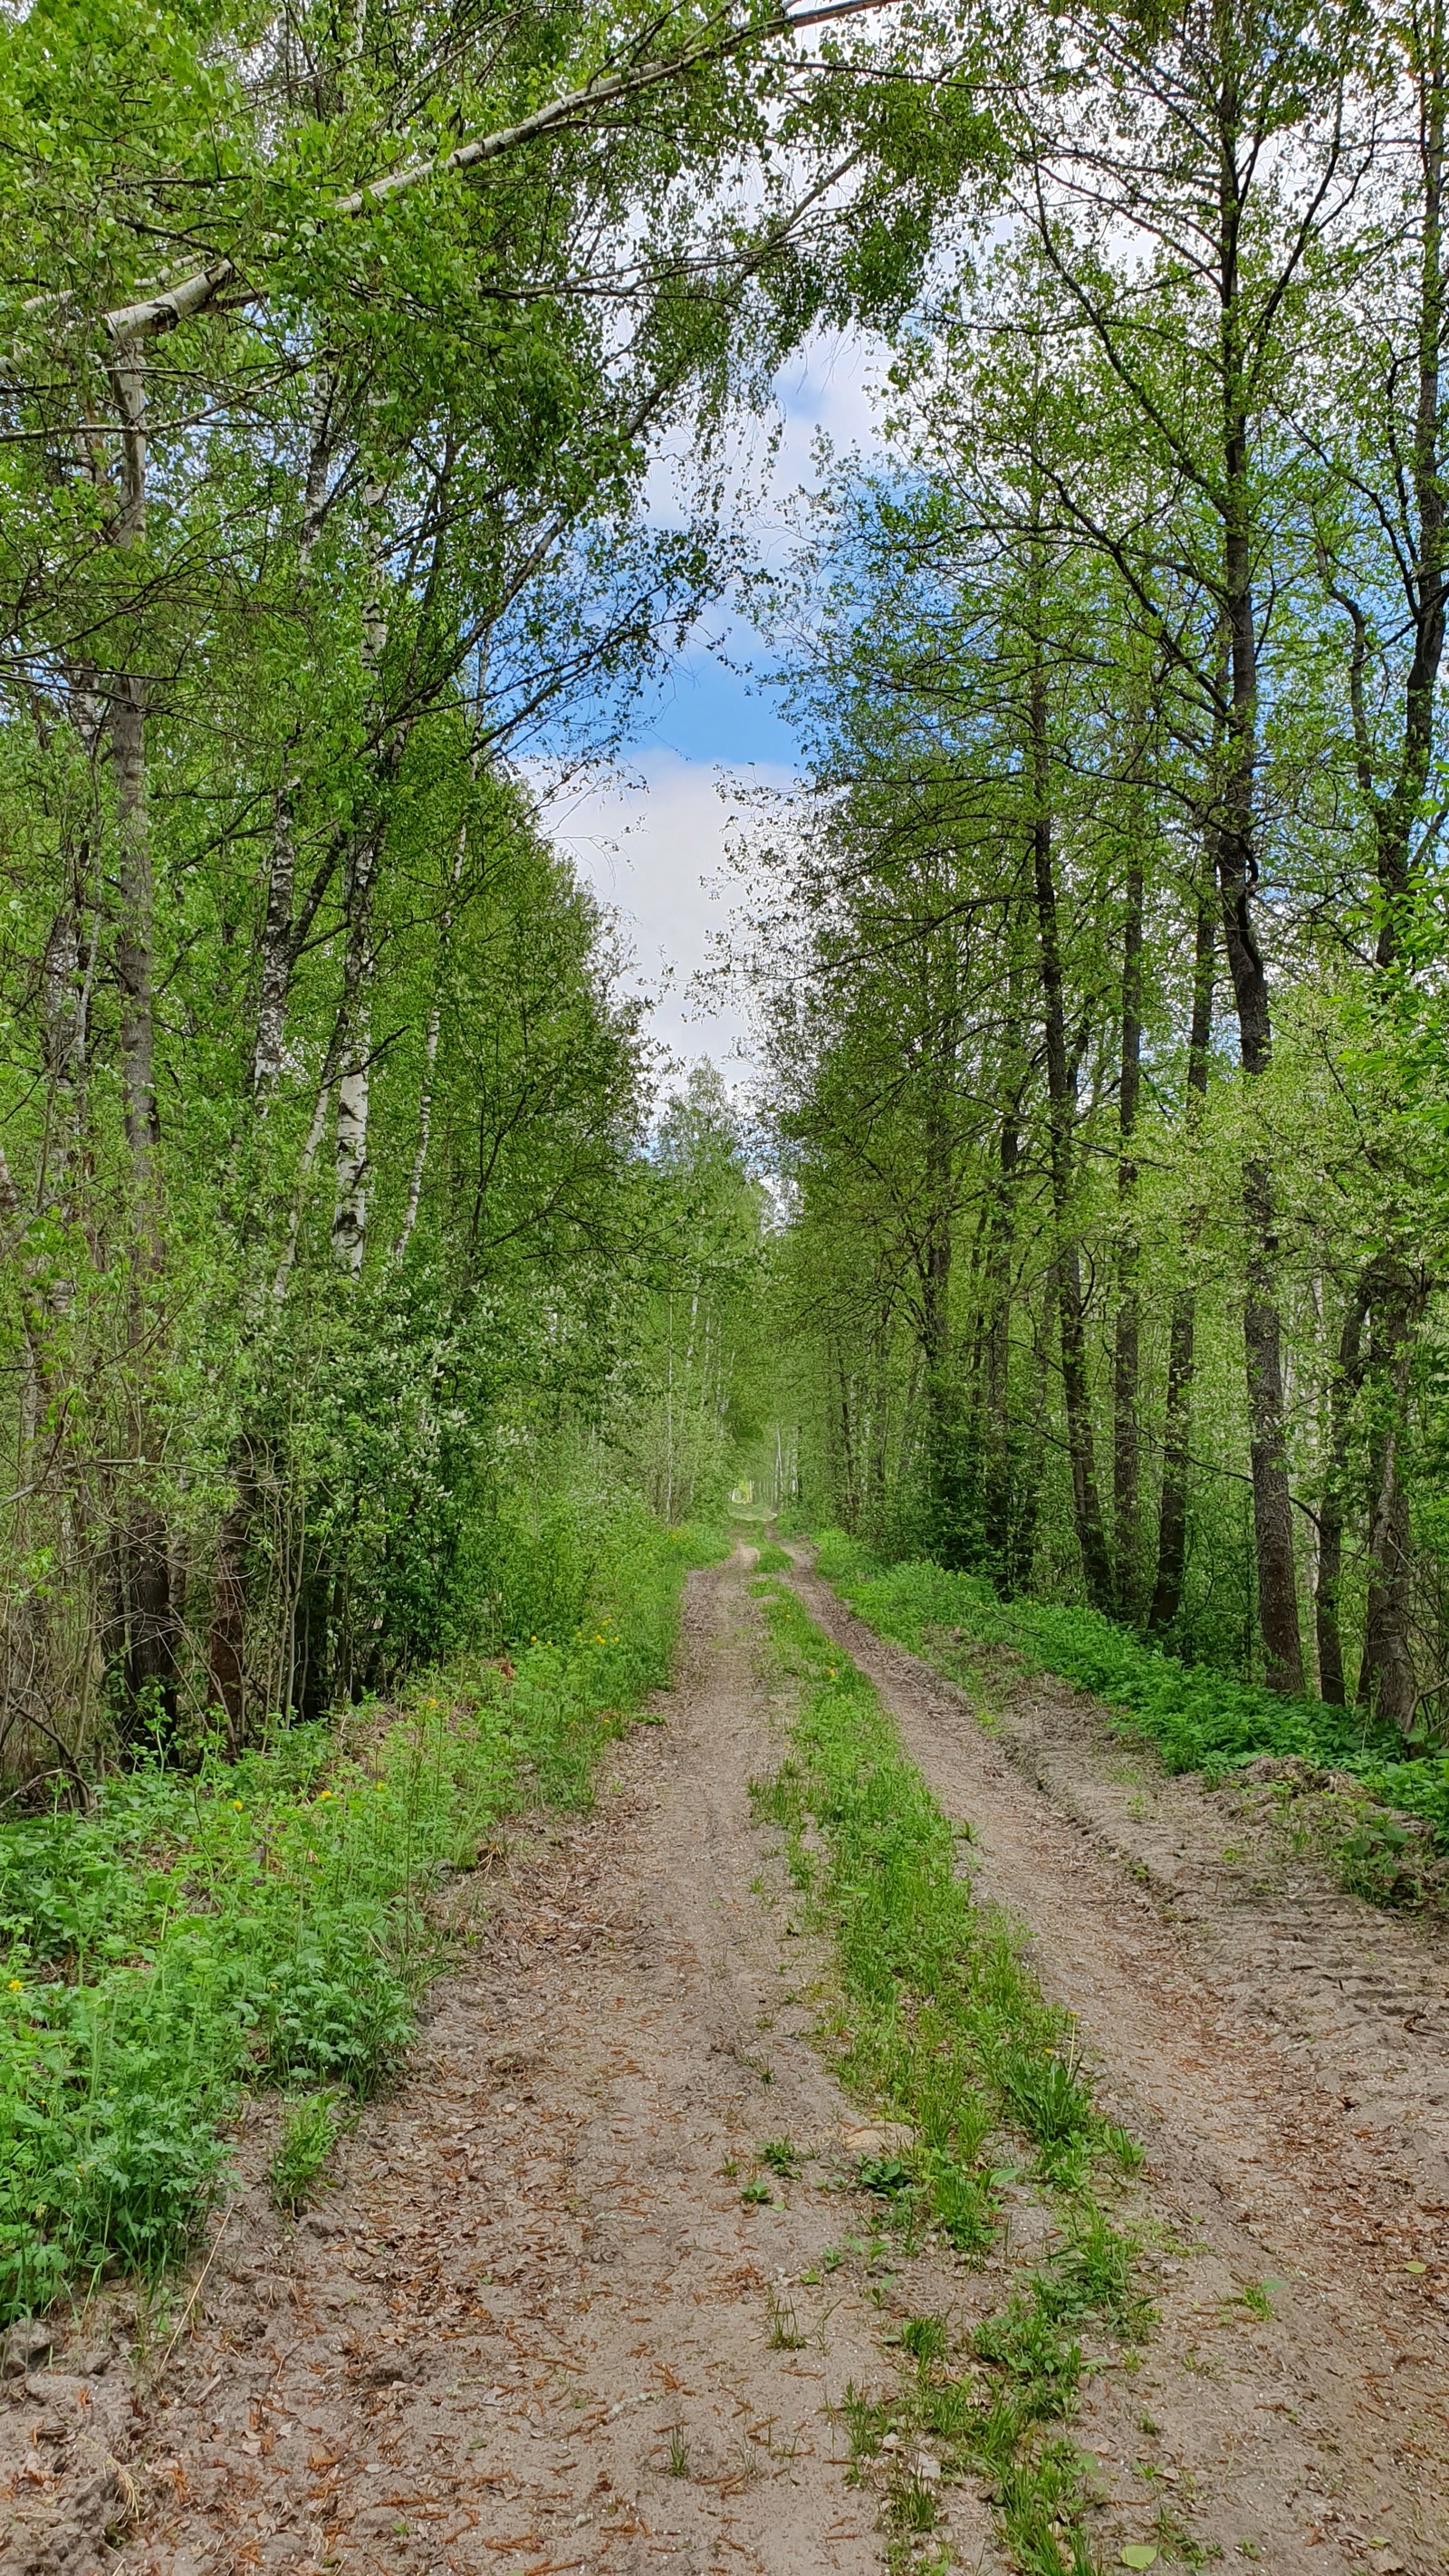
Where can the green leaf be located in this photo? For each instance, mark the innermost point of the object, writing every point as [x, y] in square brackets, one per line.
[1140, 2553]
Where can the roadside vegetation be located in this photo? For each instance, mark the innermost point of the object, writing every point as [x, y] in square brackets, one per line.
[1196, 1718]
[940, 2026]
[274, 1920]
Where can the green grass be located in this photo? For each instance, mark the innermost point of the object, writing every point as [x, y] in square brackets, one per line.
[309, 2134]
[941, 2026]
[269, 1922]
[1198, 1719]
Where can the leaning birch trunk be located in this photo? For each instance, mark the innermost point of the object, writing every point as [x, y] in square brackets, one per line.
[354, 1100]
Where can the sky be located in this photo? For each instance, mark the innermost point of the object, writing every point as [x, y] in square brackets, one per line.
[652, 840]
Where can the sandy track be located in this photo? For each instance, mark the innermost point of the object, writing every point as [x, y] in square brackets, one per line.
[475, 2353]
[1322, 2436]
[534, 2278]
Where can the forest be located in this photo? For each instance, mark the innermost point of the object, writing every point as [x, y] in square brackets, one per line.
[378, 1301]
[1101, 960]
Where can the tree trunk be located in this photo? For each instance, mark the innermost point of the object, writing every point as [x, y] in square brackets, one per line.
[354, 1089]
[276, 968]
[1062, 1105]
[143, 1566]
[1397, 815]
[349, 1218]
[999, 1446]
[226, 1642]
[1387, 1681]
[1126, 1468]
[1348, 1377]
[1182, 1337]
[1026, 1512]
[1237, 862]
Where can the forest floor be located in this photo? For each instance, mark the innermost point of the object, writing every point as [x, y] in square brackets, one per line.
[536, 2326]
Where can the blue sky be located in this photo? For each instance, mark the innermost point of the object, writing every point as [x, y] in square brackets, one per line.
[709, 712]
[653, 841]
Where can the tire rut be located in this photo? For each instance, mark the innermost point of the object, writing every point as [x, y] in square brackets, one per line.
[1320, 2435]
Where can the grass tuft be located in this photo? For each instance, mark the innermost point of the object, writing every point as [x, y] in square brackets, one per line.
[309, 2134]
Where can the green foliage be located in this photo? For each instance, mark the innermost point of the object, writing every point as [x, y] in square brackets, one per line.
[1198, 1719]
[309, 2134]
[268, 1921]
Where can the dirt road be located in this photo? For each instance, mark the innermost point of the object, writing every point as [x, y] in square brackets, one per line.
[1325, 2430]
[538, 2327]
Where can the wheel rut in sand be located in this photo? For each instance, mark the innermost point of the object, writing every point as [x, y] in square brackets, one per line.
[534, 2284]
[1325, 2430]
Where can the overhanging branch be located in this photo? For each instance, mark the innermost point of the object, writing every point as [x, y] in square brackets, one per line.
[155, 315]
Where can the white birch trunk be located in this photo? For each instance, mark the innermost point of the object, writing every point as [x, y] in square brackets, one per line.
[349, 1217]
[277, 958]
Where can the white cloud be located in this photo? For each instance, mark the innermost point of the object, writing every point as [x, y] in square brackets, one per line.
[653, 849]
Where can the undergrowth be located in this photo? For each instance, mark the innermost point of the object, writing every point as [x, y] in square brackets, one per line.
[942, 2027]
[1198, 1719]
[266, 1922]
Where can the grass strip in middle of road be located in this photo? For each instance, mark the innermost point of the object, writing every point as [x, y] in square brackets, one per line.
[941, 2026]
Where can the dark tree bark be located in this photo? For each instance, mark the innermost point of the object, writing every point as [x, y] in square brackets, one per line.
[1348, 1377]
[1126, 1368]
[1237, 862]
[999, 1441]
[1387, 1681]
[1062, 1110]
[1182, 1333]
[226, 1641]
